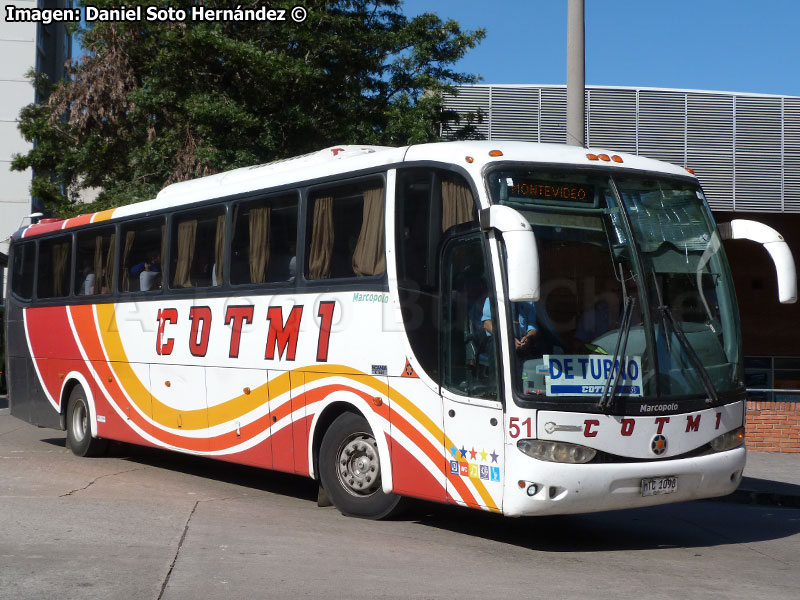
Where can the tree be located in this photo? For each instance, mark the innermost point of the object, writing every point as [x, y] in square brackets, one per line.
[151, 103]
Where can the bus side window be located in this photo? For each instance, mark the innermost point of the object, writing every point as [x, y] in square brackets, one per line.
[141, 253]
[23, 266]
[346, 231]
[55, 264]
[94, 265]
[429, 202]
[198, 249]
[264, 241]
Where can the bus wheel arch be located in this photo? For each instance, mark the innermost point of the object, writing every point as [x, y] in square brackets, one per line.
[350, 468]
[320, 424]
[334, 405]
[71, 380]
[80, 417]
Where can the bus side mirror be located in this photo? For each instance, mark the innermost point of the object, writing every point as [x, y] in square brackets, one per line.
[522, 258]
[773, 242]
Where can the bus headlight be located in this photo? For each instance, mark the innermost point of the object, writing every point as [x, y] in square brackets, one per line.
[560, 452]
[728, 441]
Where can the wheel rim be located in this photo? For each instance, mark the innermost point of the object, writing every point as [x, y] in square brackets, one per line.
[358, 467]
[80, 421]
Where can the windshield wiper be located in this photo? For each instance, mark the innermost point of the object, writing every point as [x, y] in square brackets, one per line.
[607, 399]
[668, 317]
[713, 398]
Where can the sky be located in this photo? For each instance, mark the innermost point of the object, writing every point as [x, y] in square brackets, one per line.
[723, 45]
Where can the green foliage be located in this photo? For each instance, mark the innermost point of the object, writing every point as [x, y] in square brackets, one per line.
[154, 103]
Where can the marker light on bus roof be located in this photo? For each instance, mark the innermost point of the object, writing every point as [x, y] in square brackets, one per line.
[690, 170]
[469, 159]
[495, 153]
[605, 157]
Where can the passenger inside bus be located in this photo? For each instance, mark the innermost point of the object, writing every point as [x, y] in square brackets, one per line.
[479, 346]
[149, 273]
[604, 313]
[526, 331]
[87, 287]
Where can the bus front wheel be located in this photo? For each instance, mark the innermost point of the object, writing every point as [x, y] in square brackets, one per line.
[350, 470]
[79, 432]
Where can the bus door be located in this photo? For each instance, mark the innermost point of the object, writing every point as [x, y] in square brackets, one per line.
[473, 410]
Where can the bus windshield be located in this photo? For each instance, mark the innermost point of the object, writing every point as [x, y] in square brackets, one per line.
[611, 244]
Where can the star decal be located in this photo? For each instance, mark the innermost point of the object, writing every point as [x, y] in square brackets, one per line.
[473, 453]
[454, 451]
[494, 456]
[483, 455]
[463, 452]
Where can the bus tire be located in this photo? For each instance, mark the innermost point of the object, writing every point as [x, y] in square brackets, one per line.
[350, 470]
[79, 431]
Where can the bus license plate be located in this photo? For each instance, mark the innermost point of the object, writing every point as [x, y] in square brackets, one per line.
[659, 485]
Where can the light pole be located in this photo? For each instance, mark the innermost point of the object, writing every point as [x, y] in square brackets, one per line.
[576, 74]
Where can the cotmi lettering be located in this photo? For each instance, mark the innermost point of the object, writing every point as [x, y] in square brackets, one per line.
[283, 333]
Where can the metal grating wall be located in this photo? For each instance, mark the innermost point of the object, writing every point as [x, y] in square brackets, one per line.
[745, 148]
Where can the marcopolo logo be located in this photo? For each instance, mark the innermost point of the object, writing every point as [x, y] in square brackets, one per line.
[368, 297]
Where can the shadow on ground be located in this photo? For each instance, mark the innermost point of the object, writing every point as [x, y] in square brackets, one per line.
[696, 524]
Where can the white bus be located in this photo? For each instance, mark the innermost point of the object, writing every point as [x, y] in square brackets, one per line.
[521, 328]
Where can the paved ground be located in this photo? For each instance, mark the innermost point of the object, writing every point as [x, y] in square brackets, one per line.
[150, 524]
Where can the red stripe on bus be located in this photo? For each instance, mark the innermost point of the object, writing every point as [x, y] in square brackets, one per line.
[42, 228]
[297, 459]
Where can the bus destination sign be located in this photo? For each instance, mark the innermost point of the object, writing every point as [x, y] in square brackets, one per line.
[555, 191]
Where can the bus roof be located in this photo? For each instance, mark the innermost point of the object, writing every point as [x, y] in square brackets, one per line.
[338, 160]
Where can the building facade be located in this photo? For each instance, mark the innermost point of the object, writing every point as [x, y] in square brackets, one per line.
[745, 148]
[23, 46]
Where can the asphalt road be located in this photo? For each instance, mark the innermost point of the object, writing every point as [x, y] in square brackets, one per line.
[149, 524]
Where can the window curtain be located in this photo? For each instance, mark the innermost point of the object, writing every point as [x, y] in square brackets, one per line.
[109, 276]
[456, 203]
[369, 257]
[219, 250]
[60, 260]
[187, 232]
[319, 260]
[163, 254]
[126, 275]
[259, 243]
[99, 280]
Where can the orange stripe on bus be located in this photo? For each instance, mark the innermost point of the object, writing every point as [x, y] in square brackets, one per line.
[236, 407]
[78, 221]
[103, 215]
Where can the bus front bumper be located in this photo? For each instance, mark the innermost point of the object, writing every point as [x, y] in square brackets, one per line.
[535, 487]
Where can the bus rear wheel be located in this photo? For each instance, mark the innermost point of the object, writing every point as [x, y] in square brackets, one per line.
[79, 431]
[350, 470]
